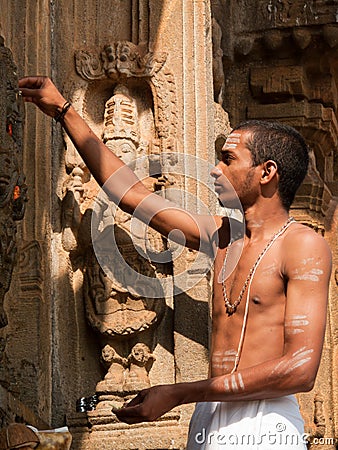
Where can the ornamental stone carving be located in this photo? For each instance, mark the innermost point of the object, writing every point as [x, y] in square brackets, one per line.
[13, 191]
[132, 96]
[118, 58]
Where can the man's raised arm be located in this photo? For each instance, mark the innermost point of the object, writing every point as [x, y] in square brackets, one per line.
[119, 181]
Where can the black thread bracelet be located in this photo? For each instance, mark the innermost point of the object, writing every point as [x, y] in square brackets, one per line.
[60, 115]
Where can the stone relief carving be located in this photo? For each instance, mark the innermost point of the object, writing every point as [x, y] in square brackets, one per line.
[112, 309]
[118, 58]
[71, 214]
[30, 268]
[140, 361]
[217, 62]
[124, 59]
[121, 133]
[297, 12]
[126, 375]
[138, 119]
[283, 82]
[319, 417]
[115, 376]
[13, 190]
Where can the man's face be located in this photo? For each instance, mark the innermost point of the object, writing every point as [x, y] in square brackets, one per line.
[234, 173]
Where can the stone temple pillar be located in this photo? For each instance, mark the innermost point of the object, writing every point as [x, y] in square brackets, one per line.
[149, 95]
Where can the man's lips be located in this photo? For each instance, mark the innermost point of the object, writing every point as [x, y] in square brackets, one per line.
[218, 187]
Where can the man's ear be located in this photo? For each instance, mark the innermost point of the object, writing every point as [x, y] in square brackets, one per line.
[269, 171]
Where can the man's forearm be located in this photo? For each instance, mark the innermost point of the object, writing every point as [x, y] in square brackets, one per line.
[101, 162]
[272, 379]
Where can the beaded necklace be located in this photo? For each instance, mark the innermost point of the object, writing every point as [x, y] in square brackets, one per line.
[248, 281]
[232, 307]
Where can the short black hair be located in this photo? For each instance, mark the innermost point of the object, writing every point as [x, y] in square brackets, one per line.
[284, 145]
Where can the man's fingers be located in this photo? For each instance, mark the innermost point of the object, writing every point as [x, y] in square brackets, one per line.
[134, 414]
[27, 98]
[135, 401]
[28, 93]
[128, 412]
[31, 82]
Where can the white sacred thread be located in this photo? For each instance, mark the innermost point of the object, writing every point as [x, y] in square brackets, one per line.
[254, 268]
[232, 307]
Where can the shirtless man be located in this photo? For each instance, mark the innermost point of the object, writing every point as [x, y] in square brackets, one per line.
[268, 315]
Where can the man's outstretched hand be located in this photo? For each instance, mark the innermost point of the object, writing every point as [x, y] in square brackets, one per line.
[43, 93]
[149, 404]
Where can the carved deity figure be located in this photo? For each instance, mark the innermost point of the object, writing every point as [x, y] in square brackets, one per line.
[140, 361]
[125, 375]
[111, 309]
[121, 132]
[114, 307]
[116, 364]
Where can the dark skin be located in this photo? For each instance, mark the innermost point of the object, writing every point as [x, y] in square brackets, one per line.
[288, 296]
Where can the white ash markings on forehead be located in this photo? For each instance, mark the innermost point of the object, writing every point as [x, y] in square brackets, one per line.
[234, 136]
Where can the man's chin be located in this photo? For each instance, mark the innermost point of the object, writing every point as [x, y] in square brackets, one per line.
[229, 202]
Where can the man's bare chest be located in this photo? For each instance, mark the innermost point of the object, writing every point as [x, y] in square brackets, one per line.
[236, 277]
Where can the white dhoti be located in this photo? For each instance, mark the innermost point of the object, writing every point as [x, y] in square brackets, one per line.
[260, 424]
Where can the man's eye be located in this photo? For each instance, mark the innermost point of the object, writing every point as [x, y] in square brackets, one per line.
[226, 157]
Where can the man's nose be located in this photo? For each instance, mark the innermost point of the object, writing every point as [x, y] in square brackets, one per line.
[216, 172]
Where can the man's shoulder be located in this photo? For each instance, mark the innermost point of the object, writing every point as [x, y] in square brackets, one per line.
[303, 233]
[302, 240]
